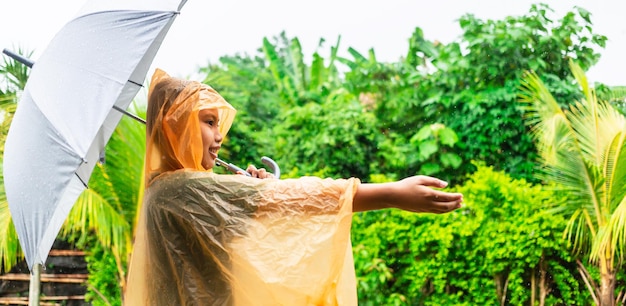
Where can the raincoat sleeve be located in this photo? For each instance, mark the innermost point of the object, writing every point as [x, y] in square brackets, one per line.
[208, 239]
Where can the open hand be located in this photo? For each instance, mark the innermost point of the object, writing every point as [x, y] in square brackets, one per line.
[416, 194]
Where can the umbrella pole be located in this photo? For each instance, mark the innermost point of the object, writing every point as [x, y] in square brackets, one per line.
[35, 285]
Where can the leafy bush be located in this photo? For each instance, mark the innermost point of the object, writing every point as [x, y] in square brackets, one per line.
[500, 248]
[104, 289]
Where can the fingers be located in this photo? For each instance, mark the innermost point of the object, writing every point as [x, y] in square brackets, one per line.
[442, 196]
[431, 181]
[258, 173]
[252, 170]
[443, 202]
[445, 207]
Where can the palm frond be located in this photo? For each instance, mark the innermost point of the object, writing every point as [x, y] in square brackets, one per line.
[594, 122]
[7, 111]
[578, 179]
[94, 214]
[8, 101]
[613, 127]
[583, 150]
[581, 79]
[15, 73]
[577, 231]
[613, 238]
[10, 250]
[124, 161]
[614, 169]
[544, 116]
[124, 165]
[559, 148]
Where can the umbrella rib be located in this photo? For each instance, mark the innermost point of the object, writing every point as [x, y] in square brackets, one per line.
[29, 63]
[81, 180]
[117, 108]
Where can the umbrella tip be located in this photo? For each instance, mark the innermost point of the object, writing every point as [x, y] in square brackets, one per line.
[102, 157]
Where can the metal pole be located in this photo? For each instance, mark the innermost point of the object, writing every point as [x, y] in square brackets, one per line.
[35, 286]
[19, 58]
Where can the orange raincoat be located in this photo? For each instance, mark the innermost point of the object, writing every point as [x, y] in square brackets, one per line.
[210, 239]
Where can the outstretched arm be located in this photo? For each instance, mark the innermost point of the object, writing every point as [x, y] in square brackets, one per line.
[414, 194]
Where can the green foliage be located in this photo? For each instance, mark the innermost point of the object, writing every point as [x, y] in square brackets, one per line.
[122, 179]
[479, 78]
[482, 254]
[431, 140]
[10, 249]
[583, 152]
[297, 82]
[335, 135]
[249, 87]
[14, 75]
[469, 86]
[616, 96]
[103, 290]
[123, 160]
[430, 113]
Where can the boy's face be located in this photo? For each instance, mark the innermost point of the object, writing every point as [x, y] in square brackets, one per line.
[211, 137]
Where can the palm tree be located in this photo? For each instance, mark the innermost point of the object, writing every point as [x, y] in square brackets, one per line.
[583, 150]
[297, 82]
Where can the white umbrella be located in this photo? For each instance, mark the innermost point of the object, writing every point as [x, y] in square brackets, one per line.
[66, 115]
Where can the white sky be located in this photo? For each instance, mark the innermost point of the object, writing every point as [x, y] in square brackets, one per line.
[206, 30]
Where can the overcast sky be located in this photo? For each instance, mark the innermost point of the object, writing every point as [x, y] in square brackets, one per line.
[206, 30]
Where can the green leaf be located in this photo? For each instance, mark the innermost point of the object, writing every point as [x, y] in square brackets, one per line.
[429, 168]
[317, 72]
[451, 159]
[428, 148]
[424, 133]
[356, 55]
[448, 137]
